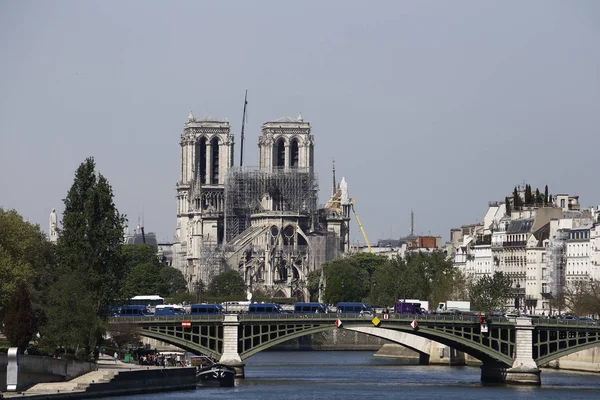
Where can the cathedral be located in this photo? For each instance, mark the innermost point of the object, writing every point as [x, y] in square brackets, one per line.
[262, 221]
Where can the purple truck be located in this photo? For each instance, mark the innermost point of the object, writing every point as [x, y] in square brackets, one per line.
[402, 307]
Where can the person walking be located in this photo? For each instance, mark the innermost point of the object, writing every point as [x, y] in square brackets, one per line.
[116, 357]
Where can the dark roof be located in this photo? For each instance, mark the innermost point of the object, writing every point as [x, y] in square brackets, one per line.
[137, 238]
[520, 226]
[542, 234]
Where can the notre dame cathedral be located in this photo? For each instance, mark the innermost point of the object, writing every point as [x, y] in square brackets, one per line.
[262, 221]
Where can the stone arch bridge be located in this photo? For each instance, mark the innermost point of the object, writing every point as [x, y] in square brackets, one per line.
[511, 350]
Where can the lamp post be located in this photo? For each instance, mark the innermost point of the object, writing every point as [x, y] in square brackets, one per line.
[374, 291]
[342, 296]
[199, 286]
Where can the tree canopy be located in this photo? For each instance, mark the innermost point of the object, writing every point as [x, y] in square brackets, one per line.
[226, 284]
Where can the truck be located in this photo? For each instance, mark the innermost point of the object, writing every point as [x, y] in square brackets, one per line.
[453, 307]
[404, 307]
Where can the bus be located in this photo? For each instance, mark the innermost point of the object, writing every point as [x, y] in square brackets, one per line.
[169, 309]
[310, 308]
[150, 301]
[134, 311]
[354, 308]
[265, 308]
[206, 309]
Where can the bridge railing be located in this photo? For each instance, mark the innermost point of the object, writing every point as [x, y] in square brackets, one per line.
[168, 318]
[366, 317]
[563, 322]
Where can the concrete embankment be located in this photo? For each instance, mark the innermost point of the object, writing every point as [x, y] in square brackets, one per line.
[113, 379]
[584, 361]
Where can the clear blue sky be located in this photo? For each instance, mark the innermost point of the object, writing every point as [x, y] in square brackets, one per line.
[434, 106]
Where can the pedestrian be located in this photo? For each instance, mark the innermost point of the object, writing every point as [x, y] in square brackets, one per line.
[116, 357]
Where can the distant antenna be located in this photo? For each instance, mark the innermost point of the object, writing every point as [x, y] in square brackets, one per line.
[243, 124]
[412, 223]
[334, 187]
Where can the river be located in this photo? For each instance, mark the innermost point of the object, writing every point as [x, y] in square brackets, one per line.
[351, 375]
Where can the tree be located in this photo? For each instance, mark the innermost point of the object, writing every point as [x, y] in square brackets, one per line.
[143, 279]
[507, 202]
[73, 322]
[538, 197]
[528, 195]
[229, 283]
[546, 198]
[91, 236]
[346, 281]
[172, 281]
[124, 334]
[516, 199]
[20, 322]
[490, 293]
[25, 256]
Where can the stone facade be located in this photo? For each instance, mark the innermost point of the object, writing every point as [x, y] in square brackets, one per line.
[262, 221]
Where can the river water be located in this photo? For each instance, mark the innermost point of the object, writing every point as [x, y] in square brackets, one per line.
[358, 375]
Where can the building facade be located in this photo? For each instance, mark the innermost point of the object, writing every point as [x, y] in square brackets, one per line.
[542, 247]
[261, 221]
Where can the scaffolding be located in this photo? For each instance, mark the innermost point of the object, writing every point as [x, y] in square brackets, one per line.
[211, 262]
[557, 261]
[254, 190]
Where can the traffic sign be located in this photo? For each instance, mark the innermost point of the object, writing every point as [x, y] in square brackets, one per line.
[376, 321]
[386, 316]
[414, 324]
[186, 324]
[484, 328]
[338, 323]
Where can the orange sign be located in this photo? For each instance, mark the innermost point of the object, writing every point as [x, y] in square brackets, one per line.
[186, 324]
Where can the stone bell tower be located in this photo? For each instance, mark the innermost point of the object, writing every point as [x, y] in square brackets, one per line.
[206, 158]
[286, 143]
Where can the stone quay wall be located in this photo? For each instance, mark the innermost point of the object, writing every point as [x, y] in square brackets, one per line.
[36, 369]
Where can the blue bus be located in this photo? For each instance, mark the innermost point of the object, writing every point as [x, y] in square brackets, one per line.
[354, 308]
[134, 311]
[206, 309]
[265, 308]
[169, 309]
[310, 308]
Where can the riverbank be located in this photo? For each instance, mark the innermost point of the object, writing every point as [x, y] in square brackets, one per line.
[112, 379]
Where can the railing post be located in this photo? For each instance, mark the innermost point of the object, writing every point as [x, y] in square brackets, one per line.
[230, 356]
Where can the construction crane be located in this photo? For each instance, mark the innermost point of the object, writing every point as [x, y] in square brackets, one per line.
[361, 227]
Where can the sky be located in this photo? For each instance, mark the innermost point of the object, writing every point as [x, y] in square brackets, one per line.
[432, 106]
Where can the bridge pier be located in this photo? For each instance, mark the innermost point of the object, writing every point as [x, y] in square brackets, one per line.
[524, 370]
[230, 356]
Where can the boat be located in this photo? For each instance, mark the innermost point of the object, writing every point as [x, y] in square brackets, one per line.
[211, 373]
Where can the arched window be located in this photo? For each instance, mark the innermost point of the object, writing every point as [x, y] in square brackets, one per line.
[294, 154]
[214, 144]
[279, 158]
[200, 162]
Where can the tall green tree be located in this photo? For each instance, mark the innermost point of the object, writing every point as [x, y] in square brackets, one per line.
[490, 293]
[546, 198]
[20, 323]
[91, 236]
[226, 284]
[172, 281]
[25, 256]
[507, 202]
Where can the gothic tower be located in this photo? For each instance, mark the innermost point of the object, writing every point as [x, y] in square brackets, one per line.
[286, 143]
[206, 158]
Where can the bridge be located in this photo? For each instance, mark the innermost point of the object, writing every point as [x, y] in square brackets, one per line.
[510, 349]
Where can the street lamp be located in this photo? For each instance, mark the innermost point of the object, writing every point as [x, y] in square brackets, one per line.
[199, 286]
[374, 290]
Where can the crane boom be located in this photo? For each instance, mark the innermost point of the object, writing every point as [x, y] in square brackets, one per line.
[361, 227]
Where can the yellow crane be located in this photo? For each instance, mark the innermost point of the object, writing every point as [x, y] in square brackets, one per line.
[360, 226]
